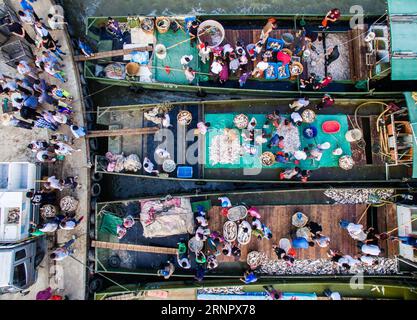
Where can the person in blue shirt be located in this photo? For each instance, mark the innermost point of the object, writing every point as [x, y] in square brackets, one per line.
[249, 277]
[85, 48]
[301, 243]
[31, 101]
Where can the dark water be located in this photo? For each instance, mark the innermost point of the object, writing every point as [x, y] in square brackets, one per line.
[115, 188]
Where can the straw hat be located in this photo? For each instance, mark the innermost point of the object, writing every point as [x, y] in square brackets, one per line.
[5, 118]
[353, 135]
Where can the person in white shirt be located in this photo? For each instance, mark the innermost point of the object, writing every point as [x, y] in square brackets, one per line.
[322, 241]
[49, 227]
[204, 53]
[45, 156]
[356, 231]
[296, 118]
[70, 224]
[300, 103]
[371, 249]
[347, 260]
[189, 74]
[26, 17]
[64, 149]
[202, 221]
[260, 68]
[55, 183]
[56, 21]
[216, 67]
[300, 154]
[148, 166]
[185, 60]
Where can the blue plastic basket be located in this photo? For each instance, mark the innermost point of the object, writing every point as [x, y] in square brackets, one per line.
[185, 172]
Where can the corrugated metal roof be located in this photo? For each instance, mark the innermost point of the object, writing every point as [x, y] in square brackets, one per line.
[403, 25]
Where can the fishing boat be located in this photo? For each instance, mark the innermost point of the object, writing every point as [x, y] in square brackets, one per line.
[161, 223]
[377, 58]
[366, 140]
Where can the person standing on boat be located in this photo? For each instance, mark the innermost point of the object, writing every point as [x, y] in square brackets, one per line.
[167, 271]
[326, 102]
[204, 52]
[113, 28]
[185, 60]
[289, 173]
[355, 230]
[267, 29]
[215, 69]
[260, 68]
[202, 127]
[224, 73]
[249, 277]
[193, 30]
[323, 83]
[370, 249]
[299, 103]
[331, 17]
[148, 166]
[332, 56]
[189, 74]
[85, 48]
[410, 240]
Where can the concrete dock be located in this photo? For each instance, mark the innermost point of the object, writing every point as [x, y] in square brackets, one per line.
[68, 277]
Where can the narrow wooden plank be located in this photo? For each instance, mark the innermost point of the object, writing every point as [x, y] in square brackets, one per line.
[109, 54]
[131, 247]
[121, 132]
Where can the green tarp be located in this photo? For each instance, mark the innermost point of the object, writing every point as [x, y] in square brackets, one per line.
[177, 45]
[412, 114]
[109, 223]
[225, 120]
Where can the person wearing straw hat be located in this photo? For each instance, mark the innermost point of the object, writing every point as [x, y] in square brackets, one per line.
[10, 120]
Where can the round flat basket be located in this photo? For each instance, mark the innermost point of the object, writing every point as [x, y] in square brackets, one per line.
[308, 115]
[296, 68]
[346, 162]
[241, 121]
[353, 135]
[184, 117]
[147, 25]
[230, 231]
[162, 24]
[68, 204]
[267, 159]
[169, 166]
[299, 219]
[195, 245]
[237, 213]
[244, 233]
[48, 211]
[255, 258]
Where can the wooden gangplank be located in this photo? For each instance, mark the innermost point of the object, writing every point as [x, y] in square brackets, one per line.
[122, 132]
[110, 54]
[133, 247]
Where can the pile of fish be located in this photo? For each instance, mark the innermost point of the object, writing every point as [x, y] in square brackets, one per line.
[223, 150]
[325, 267]
[354, 196]
[221, 290]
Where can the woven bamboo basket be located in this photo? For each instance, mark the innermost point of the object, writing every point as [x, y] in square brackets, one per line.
[162, 24]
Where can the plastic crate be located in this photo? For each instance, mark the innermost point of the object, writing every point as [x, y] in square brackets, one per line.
[185, 172]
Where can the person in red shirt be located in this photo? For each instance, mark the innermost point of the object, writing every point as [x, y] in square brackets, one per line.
[324, 83]
[284, 57]
[326, 101]
[331, 16]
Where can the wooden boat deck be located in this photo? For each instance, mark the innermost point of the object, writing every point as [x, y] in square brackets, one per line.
[278, 219]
